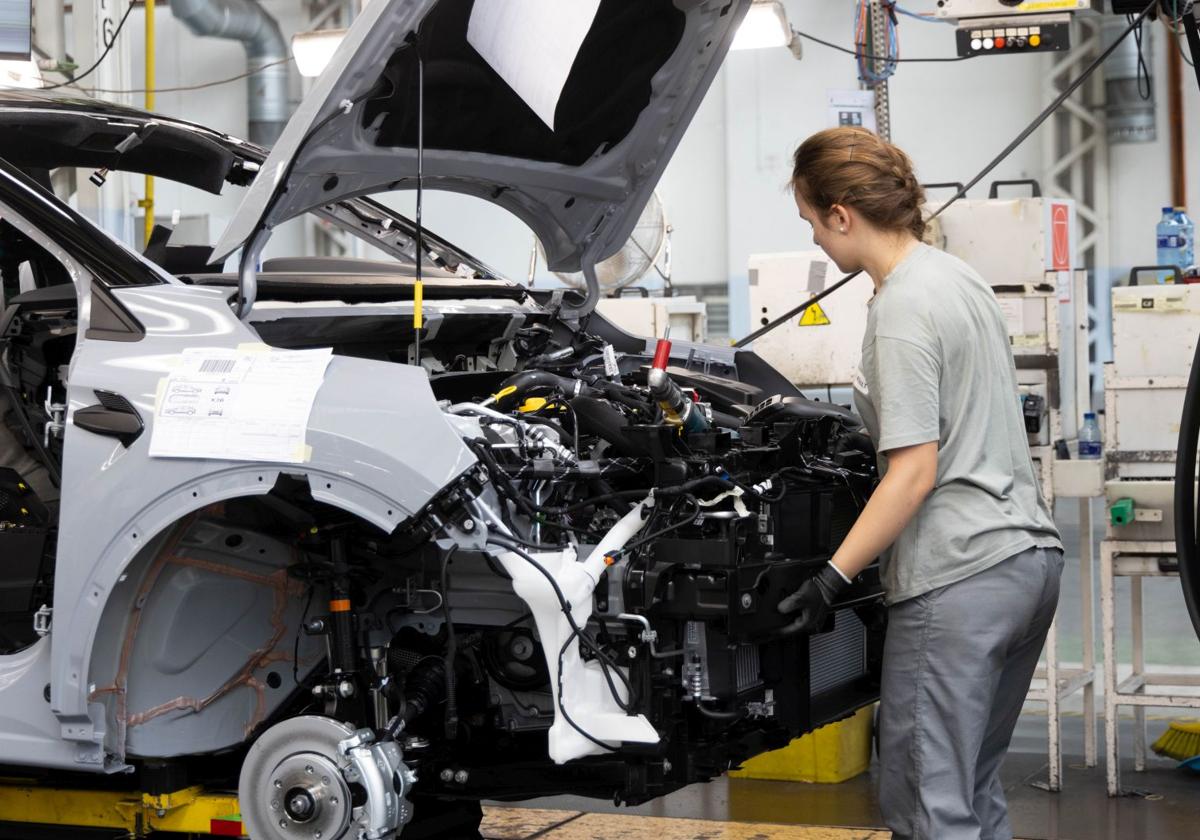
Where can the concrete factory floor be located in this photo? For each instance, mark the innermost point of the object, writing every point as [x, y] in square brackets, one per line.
[1162, 803]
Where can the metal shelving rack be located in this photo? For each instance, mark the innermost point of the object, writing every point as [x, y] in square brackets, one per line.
[1083, 481]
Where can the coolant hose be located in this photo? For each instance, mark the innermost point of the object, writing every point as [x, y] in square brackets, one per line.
[1185, 495]
[524, 384]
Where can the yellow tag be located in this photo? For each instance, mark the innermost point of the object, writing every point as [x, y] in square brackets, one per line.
[418, 300]
[814, 316]
[1046, 5]
[533, 404]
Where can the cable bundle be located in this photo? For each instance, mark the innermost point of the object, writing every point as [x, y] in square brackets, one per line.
[864, 52]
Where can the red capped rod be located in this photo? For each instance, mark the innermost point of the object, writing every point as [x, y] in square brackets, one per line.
[662, 354]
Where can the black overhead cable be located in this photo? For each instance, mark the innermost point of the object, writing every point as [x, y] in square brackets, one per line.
[108, 45]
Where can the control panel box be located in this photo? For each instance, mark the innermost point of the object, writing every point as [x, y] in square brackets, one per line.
[960, 9]
[992, 36]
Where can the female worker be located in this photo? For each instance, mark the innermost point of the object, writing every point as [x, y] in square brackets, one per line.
[971, 557]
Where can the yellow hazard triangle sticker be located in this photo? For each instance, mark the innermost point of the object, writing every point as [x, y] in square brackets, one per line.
[814, 316]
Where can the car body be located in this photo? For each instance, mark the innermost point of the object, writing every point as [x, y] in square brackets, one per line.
[507, 562]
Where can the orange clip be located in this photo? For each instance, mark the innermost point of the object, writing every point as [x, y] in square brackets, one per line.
[339, 605]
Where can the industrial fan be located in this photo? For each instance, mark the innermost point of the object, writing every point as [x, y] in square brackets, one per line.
[648, 247]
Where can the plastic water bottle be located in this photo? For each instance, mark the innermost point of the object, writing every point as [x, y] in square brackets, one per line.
[1089, 437]
[1187, 238]
[1169, 236]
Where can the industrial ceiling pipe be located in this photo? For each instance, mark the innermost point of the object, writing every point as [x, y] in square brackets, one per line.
[246, 21]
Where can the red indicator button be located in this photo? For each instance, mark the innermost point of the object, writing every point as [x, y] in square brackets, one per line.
[999, 43]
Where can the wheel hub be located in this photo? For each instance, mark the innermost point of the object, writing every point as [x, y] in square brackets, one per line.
[296, 783]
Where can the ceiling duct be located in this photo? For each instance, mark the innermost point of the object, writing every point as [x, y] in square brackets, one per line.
[1131, 119]
[246, 21]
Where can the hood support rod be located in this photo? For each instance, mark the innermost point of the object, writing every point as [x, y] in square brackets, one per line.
[418, 286]
[587, 264]
[248, 272]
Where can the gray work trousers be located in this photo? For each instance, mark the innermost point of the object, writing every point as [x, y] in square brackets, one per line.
[957, 665]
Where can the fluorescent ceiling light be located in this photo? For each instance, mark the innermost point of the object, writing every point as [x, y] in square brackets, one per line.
[312, 50]
[765, 25]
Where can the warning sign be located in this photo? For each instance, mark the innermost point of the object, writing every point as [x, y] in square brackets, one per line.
[814, 316]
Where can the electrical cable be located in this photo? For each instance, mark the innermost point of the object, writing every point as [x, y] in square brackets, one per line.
[108, 45]
[179, 88]
[667, 529]
[1143, 73]
[983, 173]
[605, 660]
[1178, 30]
[873, 57]
[565, 606]
[862, 37]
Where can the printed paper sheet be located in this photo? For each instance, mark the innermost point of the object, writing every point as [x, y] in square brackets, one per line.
[249, 404]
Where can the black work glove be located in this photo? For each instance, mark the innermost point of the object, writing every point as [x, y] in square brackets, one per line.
[811, 602]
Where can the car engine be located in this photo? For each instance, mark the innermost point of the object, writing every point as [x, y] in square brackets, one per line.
[592, 608]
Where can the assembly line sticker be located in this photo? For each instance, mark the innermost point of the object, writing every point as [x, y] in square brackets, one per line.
[248, 404]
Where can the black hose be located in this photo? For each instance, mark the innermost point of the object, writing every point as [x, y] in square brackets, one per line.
[423, 688]
[1185, 495]
[524, 383]
[715, 715]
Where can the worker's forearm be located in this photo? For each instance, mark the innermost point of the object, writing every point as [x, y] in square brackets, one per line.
[889, 509]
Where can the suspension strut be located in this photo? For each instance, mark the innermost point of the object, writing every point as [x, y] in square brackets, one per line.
[342, 649]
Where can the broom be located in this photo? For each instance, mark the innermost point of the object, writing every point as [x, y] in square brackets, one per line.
[1181, 741]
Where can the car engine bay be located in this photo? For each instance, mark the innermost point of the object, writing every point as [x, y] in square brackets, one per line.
[591, 608]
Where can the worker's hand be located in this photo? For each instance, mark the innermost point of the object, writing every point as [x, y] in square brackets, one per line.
[811, 602]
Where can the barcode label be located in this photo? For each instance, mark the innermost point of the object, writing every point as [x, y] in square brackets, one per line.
[217, 365]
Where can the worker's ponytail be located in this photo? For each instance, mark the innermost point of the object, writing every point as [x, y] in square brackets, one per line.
[856, 168]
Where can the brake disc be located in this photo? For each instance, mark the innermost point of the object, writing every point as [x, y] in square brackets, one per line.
[313, 778]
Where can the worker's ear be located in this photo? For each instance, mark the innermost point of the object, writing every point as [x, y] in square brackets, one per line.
[839, 219]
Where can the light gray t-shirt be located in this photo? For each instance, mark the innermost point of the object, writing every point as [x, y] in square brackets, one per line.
[936, 365]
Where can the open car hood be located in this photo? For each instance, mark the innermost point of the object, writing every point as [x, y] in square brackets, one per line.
[578, 175]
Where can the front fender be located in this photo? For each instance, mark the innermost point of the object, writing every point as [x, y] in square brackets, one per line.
[381, 449]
